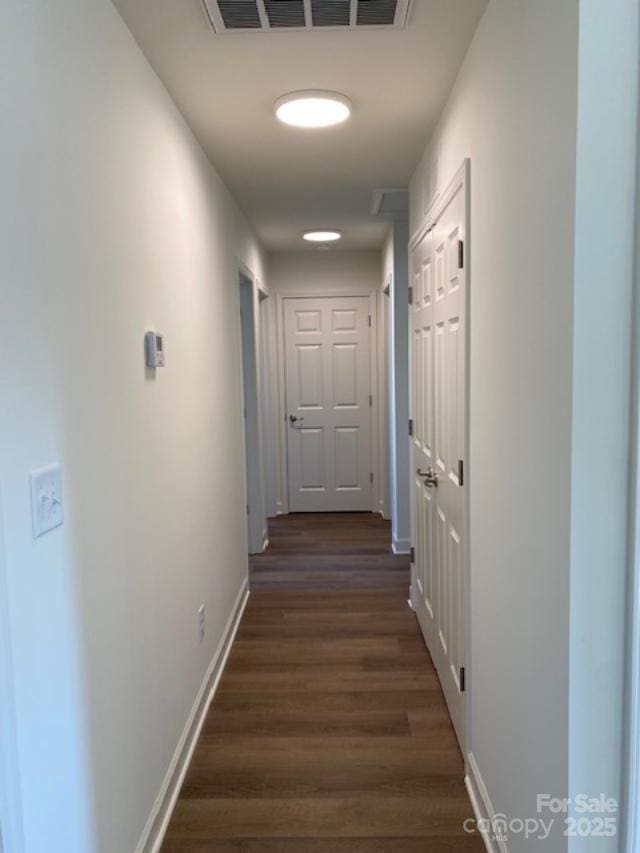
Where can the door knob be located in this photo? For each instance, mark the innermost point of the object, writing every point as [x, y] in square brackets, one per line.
[430, 478]
[294, 419]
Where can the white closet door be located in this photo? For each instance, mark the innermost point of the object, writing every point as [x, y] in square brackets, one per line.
[438, 399]
[327, 351]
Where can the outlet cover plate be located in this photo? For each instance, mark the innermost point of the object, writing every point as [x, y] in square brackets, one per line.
[46, 499]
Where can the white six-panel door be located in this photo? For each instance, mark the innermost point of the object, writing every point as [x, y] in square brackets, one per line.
[438, 402]
[328, 417]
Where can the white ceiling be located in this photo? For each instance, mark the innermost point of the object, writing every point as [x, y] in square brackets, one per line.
[287, 180]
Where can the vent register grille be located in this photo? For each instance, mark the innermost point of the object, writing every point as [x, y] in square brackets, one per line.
[235, 16]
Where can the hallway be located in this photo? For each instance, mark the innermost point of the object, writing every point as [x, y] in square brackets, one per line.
[326, 262]
[328, 732]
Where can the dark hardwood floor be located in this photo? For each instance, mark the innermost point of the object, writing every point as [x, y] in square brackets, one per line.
[329, 732]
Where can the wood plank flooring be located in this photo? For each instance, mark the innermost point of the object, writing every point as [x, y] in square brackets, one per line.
[328, 733]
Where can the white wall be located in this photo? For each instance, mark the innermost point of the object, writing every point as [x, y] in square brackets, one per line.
[112, 221]
[603, 312]
[319, 273]
[513, 112]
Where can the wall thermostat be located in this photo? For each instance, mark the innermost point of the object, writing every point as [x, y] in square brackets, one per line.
[154, 348]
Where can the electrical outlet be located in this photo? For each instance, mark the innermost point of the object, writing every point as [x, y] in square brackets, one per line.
[201, 621]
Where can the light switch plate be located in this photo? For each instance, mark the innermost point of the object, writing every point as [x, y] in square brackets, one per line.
[46, 499]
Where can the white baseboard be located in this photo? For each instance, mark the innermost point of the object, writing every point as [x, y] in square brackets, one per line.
[158, 821]
[482, 807]
[401, 546]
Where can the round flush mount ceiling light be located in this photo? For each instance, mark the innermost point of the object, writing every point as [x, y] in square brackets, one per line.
[322, 236]
[313, 108]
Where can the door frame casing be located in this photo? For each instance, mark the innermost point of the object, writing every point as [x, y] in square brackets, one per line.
[10, 805]
[257, 527]
[283, 466]
[267, 403]
[631, 735]
[385, 445]
[460, 181]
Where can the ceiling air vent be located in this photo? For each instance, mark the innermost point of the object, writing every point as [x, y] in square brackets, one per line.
[251, 16]
[285, 13]
[239, 14]
[376, 13]
[331, 13]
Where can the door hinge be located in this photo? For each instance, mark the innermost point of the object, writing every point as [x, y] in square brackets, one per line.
[460, 254]
[410, 296]
[412, 554]
[371, 477]
[248, 510]
[411, 426]
[463, 680]
[369, 320]
[370, 400]
[460, 472]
